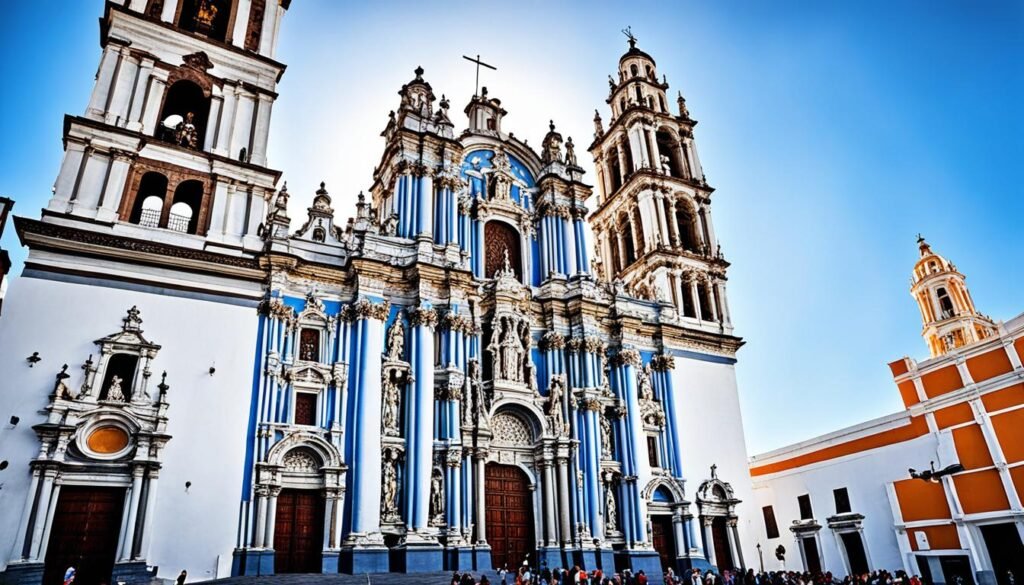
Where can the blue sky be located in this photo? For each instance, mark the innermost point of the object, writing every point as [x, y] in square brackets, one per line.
[833, 132]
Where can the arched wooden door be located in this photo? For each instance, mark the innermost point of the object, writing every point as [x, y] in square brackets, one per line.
[664, 541]
[299, 532]
[498, 237]
[509, 516]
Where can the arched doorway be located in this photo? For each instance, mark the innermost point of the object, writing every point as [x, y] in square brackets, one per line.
[509, 515]
[499, 237]
[84, 535]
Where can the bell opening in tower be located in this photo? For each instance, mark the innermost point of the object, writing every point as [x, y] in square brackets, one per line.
[184, 115]
[206, 17]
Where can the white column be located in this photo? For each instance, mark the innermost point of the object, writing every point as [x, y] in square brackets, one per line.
[563, 500]
[225, 126]
[168, 14]
[481, 502]
[42, 507]
[132, 513]
[709, 226]
[48, 521]
[241, 124]
[242, 22]
[138, 100]
[259, 142]
[120, 163]
[652, 143]
[98, 101]
[261, 517]
[216, 107]
[151, 111]
[268, 538]
[147, 519]
[636, 144]
[696, 300]
[709, 541]
[550, 525]
[647, 220]
[269, 26]
[737, 555]
[26, 514]
[117, 110]
[659, 202]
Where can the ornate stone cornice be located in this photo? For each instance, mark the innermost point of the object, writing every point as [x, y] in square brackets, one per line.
[574, 344]
[594, 344]
[456, 322]
[627, 357]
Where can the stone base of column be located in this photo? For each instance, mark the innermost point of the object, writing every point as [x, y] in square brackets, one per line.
[329, 564]
[22, 573]
[252, 562]
[605, 560]
[133, 573]
[646, 560]
[692, 562]
[458, 559]
[482, 558]
[550, 557]
[363, 559]
[418, 557]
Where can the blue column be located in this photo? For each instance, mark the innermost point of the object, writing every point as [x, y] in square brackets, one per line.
[478, 248]
[640, 467]
[581, 247]
[422, 441]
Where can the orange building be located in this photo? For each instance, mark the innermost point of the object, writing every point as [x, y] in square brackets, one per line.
[850, 500]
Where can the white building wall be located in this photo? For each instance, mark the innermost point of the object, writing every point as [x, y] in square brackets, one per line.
[865, 476]
[711, 433]
[208, 415]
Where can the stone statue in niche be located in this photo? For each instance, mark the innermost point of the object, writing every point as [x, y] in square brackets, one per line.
[396, 341]
[185, 133]
[611, 510]
[476, 405]
[437, 498]
[114, 392]
[666, 169]
[555, 417]
[390, 408]
[606, 437]
[389, 487]
[643, 383]
[511, 354]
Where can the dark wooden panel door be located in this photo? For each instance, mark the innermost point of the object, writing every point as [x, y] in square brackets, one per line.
[509, 515]
[500, 237]
[299, 532]
[664, 540]
[810, 545]
[720, 536]
[84, 535]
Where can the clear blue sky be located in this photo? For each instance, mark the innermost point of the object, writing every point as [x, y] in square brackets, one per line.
[833, 131]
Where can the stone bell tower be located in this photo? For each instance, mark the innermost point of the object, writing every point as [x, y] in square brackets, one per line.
[652, 220]
[947, 309]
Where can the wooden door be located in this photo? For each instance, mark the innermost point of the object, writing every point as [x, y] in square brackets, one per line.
[810, 545]
[720, 536]
[664, 540]
[509, 516]
[500, 237]
[299, 532]
[84, 535]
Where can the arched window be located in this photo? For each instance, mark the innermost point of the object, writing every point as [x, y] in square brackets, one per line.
[614, 172]
[668, 155]
[687, 228]
[206, 17]
[639, 95]
[945, 303]
[184, 115]
[661, 100]
[641, 244]
[149, 200]
[689, 308]
[650, 72]
[626, 223]
[627, 152]
[319, 234]
[120, 373]
[500, 237]
[705, 301]
[633, 70]
[188, 200]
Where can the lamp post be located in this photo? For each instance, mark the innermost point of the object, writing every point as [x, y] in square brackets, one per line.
[760, 557]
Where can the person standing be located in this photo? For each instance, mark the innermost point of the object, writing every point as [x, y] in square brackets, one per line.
[69, 576]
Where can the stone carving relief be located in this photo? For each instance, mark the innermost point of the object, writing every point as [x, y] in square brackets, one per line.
[509, 342]
[390, 409]
[556, 418]
[389, 488]
[300, 461]
[650, 409]
[511, 430]
[606, 437]
[395, 343]
[437, 498]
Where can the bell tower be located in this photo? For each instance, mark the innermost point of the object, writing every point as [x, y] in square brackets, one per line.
[652, 222]
[947, 309]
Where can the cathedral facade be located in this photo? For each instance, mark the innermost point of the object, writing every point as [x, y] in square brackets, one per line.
[453, 378]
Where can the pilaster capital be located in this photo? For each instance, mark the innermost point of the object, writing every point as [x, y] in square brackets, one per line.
[663, 362]
[365, 309]
[423, 316]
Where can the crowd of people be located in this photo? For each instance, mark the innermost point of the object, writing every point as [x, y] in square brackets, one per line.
[524, 575]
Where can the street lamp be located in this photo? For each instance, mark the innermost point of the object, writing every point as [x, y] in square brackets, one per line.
[760, 557]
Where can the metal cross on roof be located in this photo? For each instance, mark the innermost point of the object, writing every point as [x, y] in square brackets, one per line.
[476, 88]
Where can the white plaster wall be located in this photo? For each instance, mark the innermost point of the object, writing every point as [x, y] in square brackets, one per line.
[711, 432]
[865, 476]
[207, 415]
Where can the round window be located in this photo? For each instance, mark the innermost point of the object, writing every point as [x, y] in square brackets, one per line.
[107, 440]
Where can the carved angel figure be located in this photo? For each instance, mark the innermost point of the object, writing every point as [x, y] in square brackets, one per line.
[611, 510]
[437, 497]
[606, 437]
[644, 388]
[389, 414]
[389, 502]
